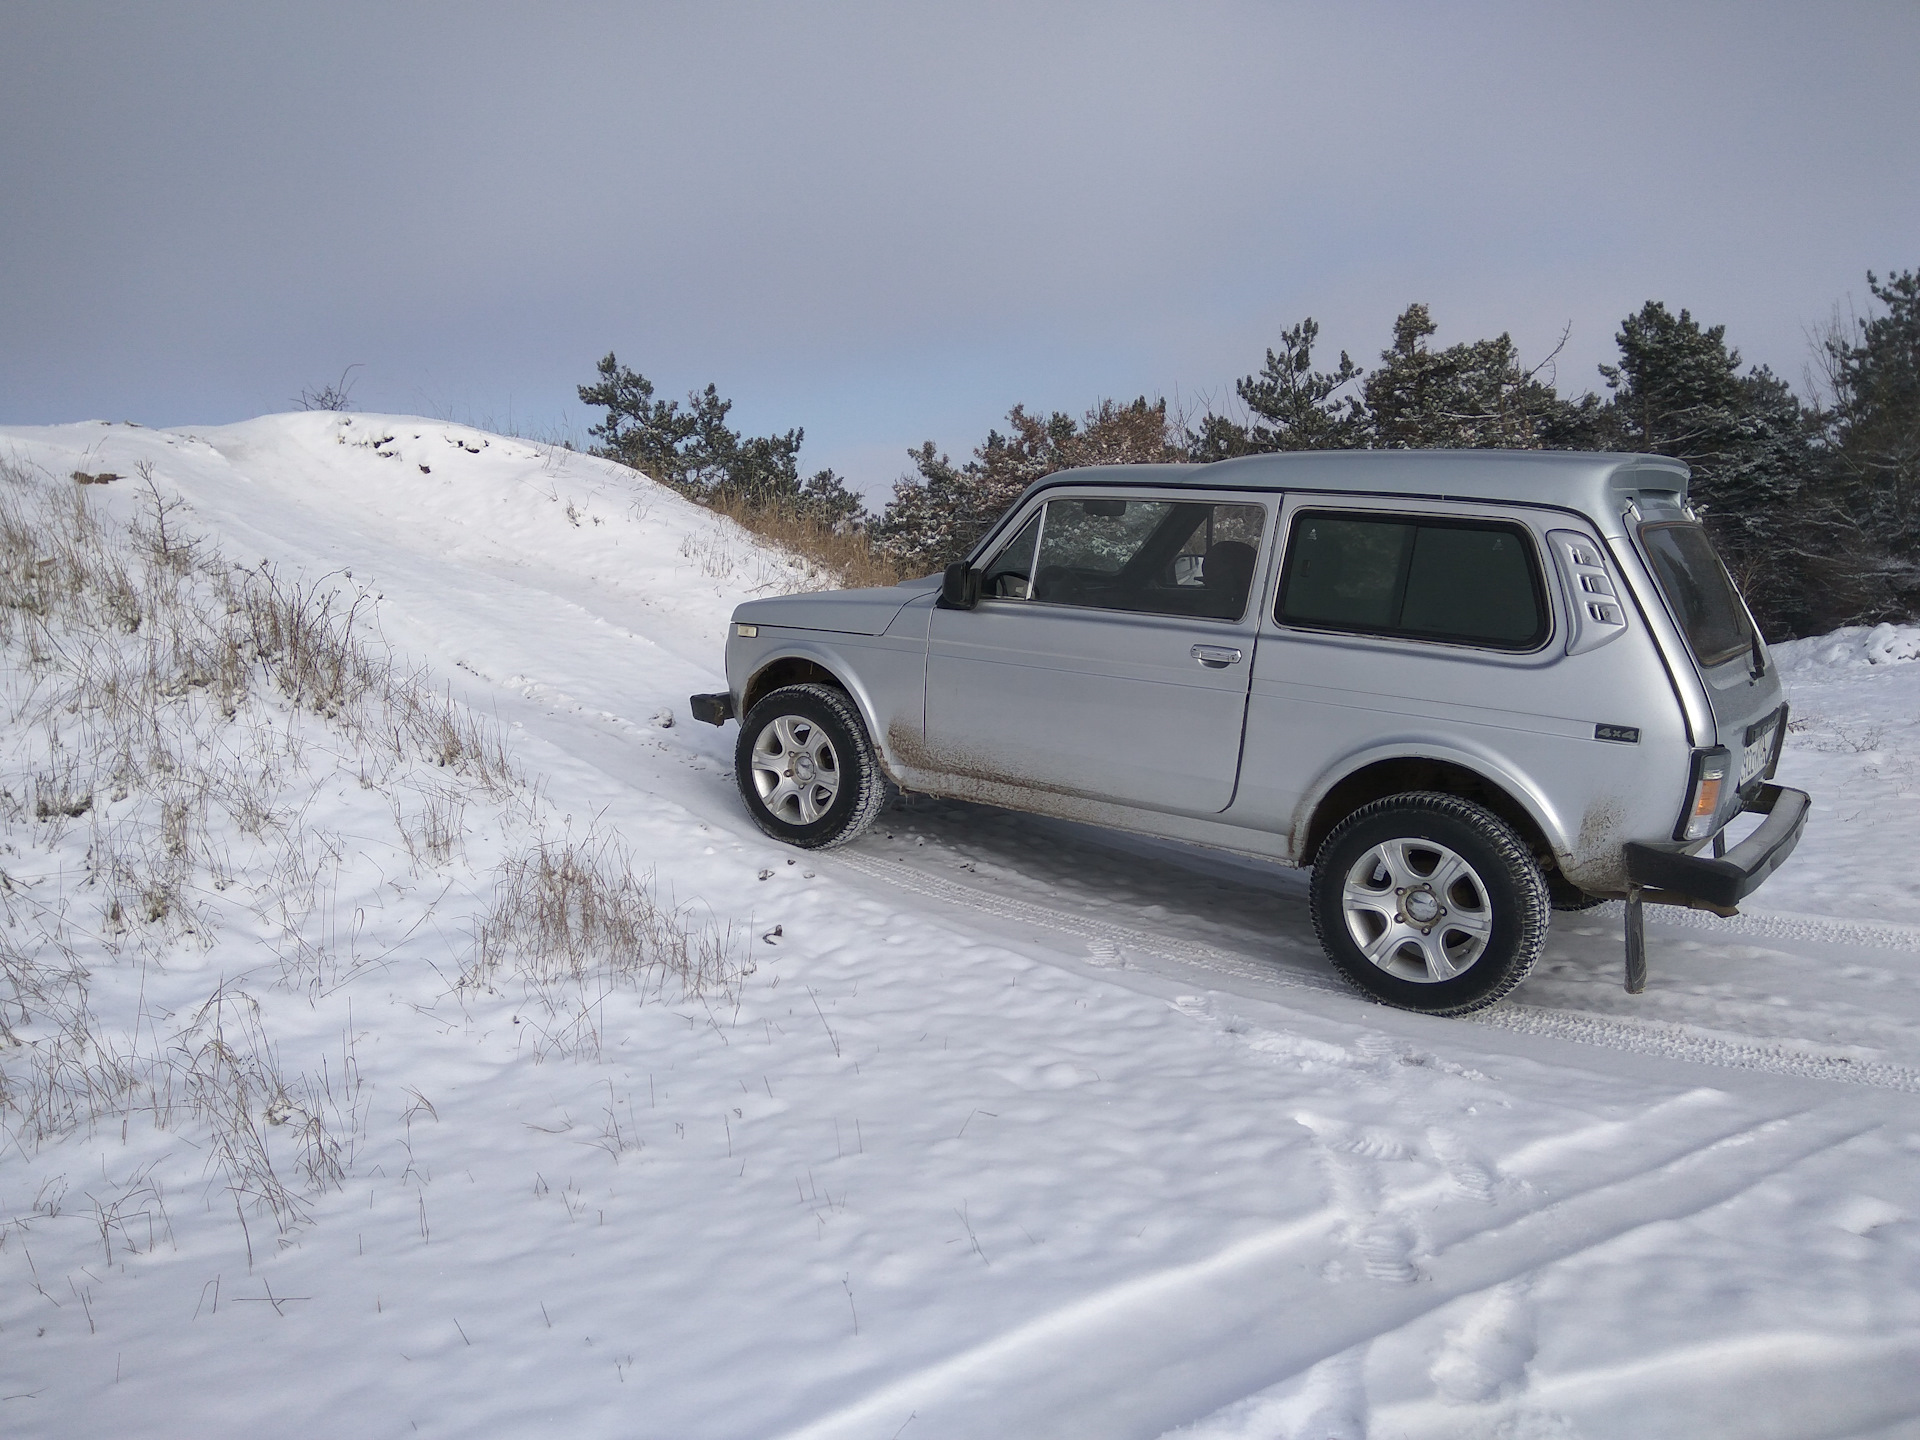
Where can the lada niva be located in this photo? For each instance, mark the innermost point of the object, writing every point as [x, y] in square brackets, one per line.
[1465, 687]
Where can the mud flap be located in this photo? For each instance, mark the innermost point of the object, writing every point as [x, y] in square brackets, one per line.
[1636, 927]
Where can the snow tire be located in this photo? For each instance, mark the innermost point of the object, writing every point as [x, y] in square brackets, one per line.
[807, 769]
[1463, 928]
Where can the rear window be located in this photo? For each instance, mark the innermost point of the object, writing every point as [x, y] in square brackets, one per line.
[1698, 590]
[1426, 577]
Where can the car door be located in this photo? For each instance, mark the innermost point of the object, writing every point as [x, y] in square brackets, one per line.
[1110, 651]
[1403, 627]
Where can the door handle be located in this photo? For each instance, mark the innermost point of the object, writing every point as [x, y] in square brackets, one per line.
[1216, 657]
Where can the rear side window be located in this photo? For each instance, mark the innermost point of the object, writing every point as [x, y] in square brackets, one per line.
[1699, 589]
[1468, 582]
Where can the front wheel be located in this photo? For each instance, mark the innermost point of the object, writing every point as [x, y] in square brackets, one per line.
[806, 768]
[1429, 902]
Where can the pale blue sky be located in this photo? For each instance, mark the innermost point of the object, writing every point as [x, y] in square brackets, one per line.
[888, 223]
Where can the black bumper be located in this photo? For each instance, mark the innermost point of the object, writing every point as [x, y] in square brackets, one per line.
[1727, 879]
[714, 709]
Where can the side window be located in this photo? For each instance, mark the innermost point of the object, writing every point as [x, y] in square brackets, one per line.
[1009, 575]
[1086, 546]
[1470, 582]
[1161, 557]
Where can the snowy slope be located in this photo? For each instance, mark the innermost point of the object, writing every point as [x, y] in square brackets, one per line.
[1013, 1128]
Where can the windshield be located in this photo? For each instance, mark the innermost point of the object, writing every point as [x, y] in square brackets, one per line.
[1699, 591]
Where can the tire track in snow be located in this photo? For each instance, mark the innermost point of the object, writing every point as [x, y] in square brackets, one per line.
[1771, 925]
[1808, 1060]
[1215, 1330]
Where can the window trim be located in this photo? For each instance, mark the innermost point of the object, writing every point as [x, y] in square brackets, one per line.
[1530, 548]
[1033, 561]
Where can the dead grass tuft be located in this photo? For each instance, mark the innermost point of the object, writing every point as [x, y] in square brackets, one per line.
[573, 922]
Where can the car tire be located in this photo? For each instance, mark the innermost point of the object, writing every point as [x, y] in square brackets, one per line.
[806, 768]
[1567, 897]
[1429, 902]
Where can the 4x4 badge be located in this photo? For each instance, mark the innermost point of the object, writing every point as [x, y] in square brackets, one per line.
[1625, 734]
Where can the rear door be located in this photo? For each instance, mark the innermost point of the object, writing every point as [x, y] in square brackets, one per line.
[1743, 689]
[1110, 652]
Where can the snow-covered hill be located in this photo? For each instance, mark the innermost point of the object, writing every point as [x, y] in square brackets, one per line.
[983, 1127]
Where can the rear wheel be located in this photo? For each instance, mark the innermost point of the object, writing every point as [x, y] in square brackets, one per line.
[1429, 902]
[806, 768]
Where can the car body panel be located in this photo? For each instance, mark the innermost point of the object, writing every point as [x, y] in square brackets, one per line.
[1326, 704]
[844, 612]
[1011, 683]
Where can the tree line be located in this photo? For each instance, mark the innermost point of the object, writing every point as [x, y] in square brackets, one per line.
[1813, 503]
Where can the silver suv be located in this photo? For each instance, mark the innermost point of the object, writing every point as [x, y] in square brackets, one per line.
[1464, 686]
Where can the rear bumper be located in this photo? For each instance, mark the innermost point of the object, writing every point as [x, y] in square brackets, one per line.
[1726, 879]
[714, 709]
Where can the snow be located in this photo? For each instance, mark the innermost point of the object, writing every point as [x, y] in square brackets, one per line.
[1005, 1127]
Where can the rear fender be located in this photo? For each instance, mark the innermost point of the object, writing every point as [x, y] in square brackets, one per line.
[1422, 763]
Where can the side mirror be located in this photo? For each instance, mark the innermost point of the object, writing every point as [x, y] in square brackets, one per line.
[960, 587]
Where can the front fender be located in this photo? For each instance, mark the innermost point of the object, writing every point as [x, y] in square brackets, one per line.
[884, 675]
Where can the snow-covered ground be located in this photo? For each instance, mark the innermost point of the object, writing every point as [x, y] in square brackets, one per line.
[992, 1126]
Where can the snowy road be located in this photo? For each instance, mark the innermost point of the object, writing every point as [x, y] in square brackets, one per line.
[1085, 1137]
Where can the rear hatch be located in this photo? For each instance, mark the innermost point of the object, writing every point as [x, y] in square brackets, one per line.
[1743, 687]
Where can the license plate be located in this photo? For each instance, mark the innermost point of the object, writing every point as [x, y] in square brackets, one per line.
[1753, 760]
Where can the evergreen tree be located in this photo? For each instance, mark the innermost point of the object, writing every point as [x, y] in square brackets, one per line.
[1678, 391]
[1295, 405]
[1136, 433]
[935, 515]
[938, 513]
[697, 452]
[1874, 425]
[1473, 395]
[639, 431]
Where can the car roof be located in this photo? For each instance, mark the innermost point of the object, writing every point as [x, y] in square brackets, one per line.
[1595, 483]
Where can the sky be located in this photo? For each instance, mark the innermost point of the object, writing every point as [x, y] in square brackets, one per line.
[888, 223]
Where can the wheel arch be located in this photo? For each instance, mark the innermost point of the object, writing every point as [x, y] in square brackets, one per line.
[1365, 779]
[785, 670]
[803, 665]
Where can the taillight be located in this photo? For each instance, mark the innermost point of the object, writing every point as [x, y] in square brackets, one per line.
[1711, 770]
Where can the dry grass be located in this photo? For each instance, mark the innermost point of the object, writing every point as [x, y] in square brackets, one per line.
[848, 558]
[573, 922]
[134, 666]
[172, 717]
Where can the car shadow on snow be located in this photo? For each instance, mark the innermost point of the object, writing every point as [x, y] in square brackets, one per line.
[1255, 909]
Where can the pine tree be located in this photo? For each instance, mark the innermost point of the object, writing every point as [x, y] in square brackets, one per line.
[938, 513]
[639, 431]
[1136, 433]
[1874, 425]
[697, 452]
[1473, 395]
[1678, 391]
[1298, 407]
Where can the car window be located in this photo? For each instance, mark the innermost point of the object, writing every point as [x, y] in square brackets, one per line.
[1428, 577]
[1163, 557]
[1696, 584]
[1009, 574]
